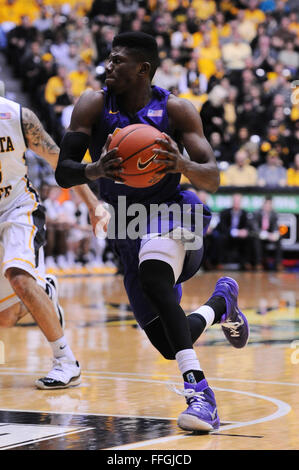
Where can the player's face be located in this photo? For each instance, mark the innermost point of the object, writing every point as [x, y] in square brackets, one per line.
[121, 71]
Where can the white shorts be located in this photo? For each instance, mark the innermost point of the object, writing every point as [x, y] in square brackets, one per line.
[22, 236]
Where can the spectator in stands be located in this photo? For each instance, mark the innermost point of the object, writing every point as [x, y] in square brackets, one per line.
[57, 230]
[220, 150]
[71, 59]
[264, 56]
[246, 27]
[266, 236]
[293, 172]
[46, 70]
[248, 117]
[212, 113]
[18, 39]
[293, 142]
[78, 79]
[79, 234]
[57, 85]
[193, 94]
[164, 77]
[230, 110]
[104, 42]
[208, 53]
[44, 21]
[190, 74]
[58, 95]
[241, 173]
[31, 65]
[235, 53]
[181, 37]
[254, 13]
[289, 57]
[231, 235]
[272, 174]
[60, 48]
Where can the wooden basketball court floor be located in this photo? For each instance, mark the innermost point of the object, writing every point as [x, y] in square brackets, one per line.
[125, 400]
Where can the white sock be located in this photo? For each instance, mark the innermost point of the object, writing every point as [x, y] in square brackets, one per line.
[187, 360]
[61, 348]
[207, 313]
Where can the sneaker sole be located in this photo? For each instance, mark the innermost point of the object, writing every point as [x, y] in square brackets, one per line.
[248, 330]
[74, 382]
[192, 423]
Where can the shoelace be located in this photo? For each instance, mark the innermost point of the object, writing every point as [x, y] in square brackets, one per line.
[196, 399]
[233, 327]
[59, 367]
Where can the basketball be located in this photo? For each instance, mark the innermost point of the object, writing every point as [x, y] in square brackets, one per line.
[135, 146]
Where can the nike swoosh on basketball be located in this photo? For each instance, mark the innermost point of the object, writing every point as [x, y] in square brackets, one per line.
[142, 165]
[113, 112]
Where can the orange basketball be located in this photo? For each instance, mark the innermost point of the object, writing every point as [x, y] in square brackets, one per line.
[135, 146]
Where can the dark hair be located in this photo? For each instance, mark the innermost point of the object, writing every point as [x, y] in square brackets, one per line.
[142, 45]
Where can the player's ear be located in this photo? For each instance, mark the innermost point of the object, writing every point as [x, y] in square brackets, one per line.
[145, 68]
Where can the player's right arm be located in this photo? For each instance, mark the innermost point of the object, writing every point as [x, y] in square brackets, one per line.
[70, 171]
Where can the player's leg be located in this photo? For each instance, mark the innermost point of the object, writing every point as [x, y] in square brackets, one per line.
[12, 309]
[66, 370]
[161, 263]
[11, 315]
[222, 307]
[23, 266]
[36, 301]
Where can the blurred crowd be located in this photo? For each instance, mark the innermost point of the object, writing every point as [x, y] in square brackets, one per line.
[242, 240]
[237, 61]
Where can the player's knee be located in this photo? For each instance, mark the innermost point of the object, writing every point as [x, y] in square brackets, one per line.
[19, 280]
[156, 278]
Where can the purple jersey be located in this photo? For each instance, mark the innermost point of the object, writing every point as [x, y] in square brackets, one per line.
[165, 191]
[154, 114]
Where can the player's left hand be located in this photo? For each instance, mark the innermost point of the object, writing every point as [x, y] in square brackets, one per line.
[171, 156]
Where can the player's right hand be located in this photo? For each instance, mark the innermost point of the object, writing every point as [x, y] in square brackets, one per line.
[109, 164]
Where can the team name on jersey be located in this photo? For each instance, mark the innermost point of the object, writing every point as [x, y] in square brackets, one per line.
[6, 144]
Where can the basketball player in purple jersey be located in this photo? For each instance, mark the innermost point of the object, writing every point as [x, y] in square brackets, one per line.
[155, 267]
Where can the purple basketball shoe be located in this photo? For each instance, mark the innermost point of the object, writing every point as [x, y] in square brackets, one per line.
[201, 414]
[233, 323]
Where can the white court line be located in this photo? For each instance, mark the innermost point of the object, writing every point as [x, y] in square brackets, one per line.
[88, 375]
[140, 374]
[283, 409]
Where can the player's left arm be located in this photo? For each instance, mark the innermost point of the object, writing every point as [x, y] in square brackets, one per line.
[37, 139]
[201, 167]
[41, 143]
